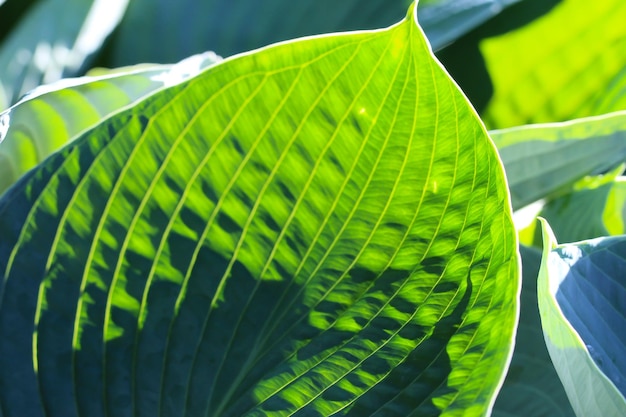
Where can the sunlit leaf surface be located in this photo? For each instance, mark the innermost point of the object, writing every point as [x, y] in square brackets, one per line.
[566, 64]
[318, 228]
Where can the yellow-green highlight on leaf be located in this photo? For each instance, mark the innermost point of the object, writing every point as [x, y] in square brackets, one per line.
[566, 64]
[587, 212]
[319, 227]
[590, 391]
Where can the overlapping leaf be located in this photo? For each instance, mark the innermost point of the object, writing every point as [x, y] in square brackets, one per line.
[547, 159]
[321, 227]
[587, 212]
[581, 293]
[446, 20]
[53, 115]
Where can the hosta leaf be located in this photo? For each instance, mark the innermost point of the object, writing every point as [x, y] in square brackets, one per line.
[581, 293]
[166, 31]
[532, 386]
[585, 213]
[54, 40]
[321, 227]
[570, 63]
[52, 115]
[547, 159]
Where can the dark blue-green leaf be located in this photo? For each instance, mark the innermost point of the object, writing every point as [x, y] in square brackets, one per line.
[581, 292]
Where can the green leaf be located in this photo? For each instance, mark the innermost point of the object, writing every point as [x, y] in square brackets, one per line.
[545, 160]
[55, 39]
[53, 115]
[570, 63]
[581, 293]
[587, 212]
[321, 227]
[532, 386]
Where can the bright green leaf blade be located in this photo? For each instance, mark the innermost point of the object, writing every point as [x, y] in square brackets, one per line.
[53, 115]
[444, 21]
[532, 386]
[319, 227]
[570, 63]
[53, 41]
[581, 293]
[547, 159]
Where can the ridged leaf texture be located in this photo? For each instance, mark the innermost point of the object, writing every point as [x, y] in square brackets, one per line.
[318, 228]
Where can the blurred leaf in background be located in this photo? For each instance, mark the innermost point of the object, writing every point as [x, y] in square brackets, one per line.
[53, 39]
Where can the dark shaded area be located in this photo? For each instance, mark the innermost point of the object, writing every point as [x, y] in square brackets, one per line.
[531, 368]
[11, 12]
[592, 297]
[466, 64]
[409, 387]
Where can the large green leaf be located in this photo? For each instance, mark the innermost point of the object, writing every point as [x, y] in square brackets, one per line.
[53, 115]
[547, 159]
[54, 40]
[532, 386]
[321, 227]
[570, 63]
[581, 293]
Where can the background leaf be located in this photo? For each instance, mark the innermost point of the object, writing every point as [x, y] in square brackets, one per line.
[587, 212]
[581, 294]
[465, 60]
[53, 40]
[53, 115]
[162, 31]
[568, 64]
[545, 160]
[532, 386]
[319, 227]
[446, 20]
[166, 31]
